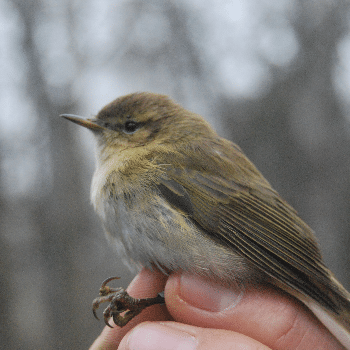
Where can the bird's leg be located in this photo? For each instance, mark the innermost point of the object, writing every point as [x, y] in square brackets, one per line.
[120, 301]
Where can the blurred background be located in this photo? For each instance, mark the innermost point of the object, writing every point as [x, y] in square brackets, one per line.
[271, 75]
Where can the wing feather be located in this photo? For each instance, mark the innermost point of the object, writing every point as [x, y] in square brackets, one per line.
[264, 229]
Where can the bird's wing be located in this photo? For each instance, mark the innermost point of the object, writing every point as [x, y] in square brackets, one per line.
[258, 224]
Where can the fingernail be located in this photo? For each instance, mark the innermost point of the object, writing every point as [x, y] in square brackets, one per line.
[160, 337]
[208, 296]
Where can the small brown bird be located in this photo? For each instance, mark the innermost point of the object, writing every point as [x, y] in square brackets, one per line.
[173, 194]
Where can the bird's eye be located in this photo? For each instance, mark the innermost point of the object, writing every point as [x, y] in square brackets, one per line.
[130, 127]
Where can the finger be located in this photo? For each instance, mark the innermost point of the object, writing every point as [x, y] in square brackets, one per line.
[174, 336]
[263, 313]
[145, 285]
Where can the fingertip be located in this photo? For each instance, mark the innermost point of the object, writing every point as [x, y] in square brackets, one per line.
[174, 336]
[154, 336]
[107, 340]
[207, 295]
[147, 283]
[194, 300]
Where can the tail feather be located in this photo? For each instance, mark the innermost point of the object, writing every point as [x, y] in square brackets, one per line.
[338, 325]
[337, 321]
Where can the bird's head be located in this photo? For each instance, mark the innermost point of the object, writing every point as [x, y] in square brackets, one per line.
[141, 119]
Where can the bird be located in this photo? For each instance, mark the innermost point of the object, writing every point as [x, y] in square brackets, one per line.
[174, 195]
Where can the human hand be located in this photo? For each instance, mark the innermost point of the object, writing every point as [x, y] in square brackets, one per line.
[202, 316]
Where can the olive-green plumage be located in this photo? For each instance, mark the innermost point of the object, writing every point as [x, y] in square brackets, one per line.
[172, 193]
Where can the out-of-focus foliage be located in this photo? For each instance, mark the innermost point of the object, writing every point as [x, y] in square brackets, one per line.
[272, 75]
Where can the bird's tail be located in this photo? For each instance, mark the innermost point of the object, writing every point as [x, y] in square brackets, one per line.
[336, 320]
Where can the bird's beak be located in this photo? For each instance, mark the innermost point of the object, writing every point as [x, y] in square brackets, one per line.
[87, 123]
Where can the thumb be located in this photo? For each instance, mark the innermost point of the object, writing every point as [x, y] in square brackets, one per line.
[174, 336]
[261, 312]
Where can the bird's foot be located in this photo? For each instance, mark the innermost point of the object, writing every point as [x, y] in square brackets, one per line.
[120, 301]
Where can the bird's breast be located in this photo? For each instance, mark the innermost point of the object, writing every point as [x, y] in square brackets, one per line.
[148, 230]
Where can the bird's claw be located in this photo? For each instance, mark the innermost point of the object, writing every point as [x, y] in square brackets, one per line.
[120, 301]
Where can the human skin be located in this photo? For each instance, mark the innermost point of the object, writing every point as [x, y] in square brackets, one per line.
[201, 315]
